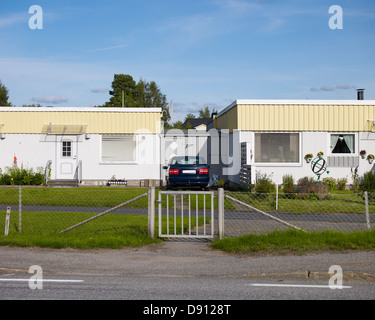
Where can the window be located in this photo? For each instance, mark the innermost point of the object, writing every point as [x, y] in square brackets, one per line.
[342, 143]
[277, 147]
[66, 151]
[118, 148]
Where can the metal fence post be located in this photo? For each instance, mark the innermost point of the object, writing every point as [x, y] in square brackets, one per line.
[151, 212]
[277, 197]
[7, 220]
[367, 211]
[20, 210]
[220, 195]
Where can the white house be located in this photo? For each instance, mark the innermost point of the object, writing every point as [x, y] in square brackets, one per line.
[89, 145]
[272, 137]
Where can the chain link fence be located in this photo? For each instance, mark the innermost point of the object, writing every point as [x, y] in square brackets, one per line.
[124, 211]
[247, 212]
[52, 211]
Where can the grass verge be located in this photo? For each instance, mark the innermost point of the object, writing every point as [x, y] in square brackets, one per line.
[112, 231]
[296, 242]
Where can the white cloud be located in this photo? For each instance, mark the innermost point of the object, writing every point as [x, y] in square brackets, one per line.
[333, 88]
[13, 19]
[50, 99]
[99, 90]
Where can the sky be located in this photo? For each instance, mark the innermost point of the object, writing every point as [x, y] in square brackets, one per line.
[201, 53]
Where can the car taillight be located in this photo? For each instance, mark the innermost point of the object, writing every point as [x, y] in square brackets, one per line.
[173, 172]
[203, 171]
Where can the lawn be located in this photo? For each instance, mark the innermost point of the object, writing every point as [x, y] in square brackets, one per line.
[296, 242]
[113, 231]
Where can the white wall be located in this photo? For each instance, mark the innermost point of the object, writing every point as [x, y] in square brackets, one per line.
[311, 142]
[34, 151]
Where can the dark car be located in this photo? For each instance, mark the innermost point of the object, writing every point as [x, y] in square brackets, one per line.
[187, 171]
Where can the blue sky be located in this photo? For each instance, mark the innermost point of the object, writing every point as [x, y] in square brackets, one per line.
[200, 52]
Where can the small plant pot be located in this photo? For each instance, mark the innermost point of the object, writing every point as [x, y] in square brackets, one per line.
[370, 161]
[308, 160]
[363, 156]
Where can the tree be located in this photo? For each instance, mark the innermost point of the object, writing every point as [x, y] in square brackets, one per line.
[205, 113]
[189, 116]
[123, 92]
[127, 93]
[4, 96]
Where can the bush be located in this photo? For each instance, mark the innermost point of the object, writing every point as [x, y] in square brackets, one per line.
[341, 183]
[288, 183]
[331, 183]
[264, 184]
[368, 182]
[16, 176]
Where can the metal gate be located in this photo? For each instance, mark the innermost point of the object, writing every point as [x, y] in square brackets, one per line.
[186, 214]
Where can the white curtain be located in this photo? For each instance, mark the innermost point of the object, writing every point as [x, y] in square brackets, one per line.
[118, 148]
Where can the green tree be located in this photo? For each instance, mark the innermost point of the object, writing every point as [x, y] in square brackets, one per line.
[205, 113]
[4, 96]
[127, 93]
[189, 116]
[123, 92]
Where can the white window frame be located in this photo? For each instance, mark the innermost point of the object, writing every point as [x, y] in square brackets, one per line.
[134, 161]
[279, 164]
[330, 148]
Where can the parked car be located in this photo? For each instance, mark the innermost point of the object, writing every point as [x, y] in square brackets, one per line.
[187, 171]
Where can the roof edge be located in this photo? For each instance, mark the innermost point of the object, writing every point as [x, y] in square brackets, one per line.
[80, 109]
[296, 102]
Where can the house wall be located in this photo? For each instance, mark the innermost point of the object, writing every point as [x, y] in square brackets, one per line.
[33, 151]
[314, 121]
[310, 142]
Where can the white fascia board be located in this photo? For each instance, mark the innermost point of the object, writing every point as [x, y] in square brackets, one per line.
[81, 109]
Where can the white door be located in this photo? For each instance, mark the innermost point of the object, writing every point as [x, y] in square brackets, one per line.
[66, 157]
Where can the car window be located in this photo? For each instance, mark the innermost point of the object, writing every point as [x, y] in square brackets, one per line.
[187, 160]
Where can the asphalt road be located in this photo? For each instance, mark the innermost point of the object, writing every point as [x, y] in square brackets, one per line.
[181, 270]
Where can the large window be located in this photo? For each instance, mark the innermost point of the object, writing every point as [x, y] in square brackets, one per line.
[277, 147]
[342, 143]
[117, 148]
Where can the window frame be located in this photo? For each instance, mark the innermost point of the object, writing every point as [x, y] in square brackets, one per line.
[112, 162]
[279, 164]
[330, 148]
[70, 149]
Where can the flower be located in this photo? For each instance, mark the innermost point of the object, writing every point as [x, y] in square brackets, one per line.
[320, 153]
[309, 155]
[370, 156]
[362, 152]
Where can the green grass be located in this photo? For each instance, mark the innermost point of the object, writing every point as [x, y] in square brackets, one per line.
[75, 197]
[336, 203]
[296, 242]
[114, 231]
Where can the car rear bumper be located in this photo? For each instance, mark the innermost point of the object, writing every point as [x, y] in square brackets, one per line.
[188, 182]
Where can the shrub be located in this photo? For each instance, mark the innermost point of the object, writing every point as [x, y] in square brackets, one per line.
[341, 183]
[16, 176]
[368, 182]
[264, 184]
[288, 183]
[331, 183]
